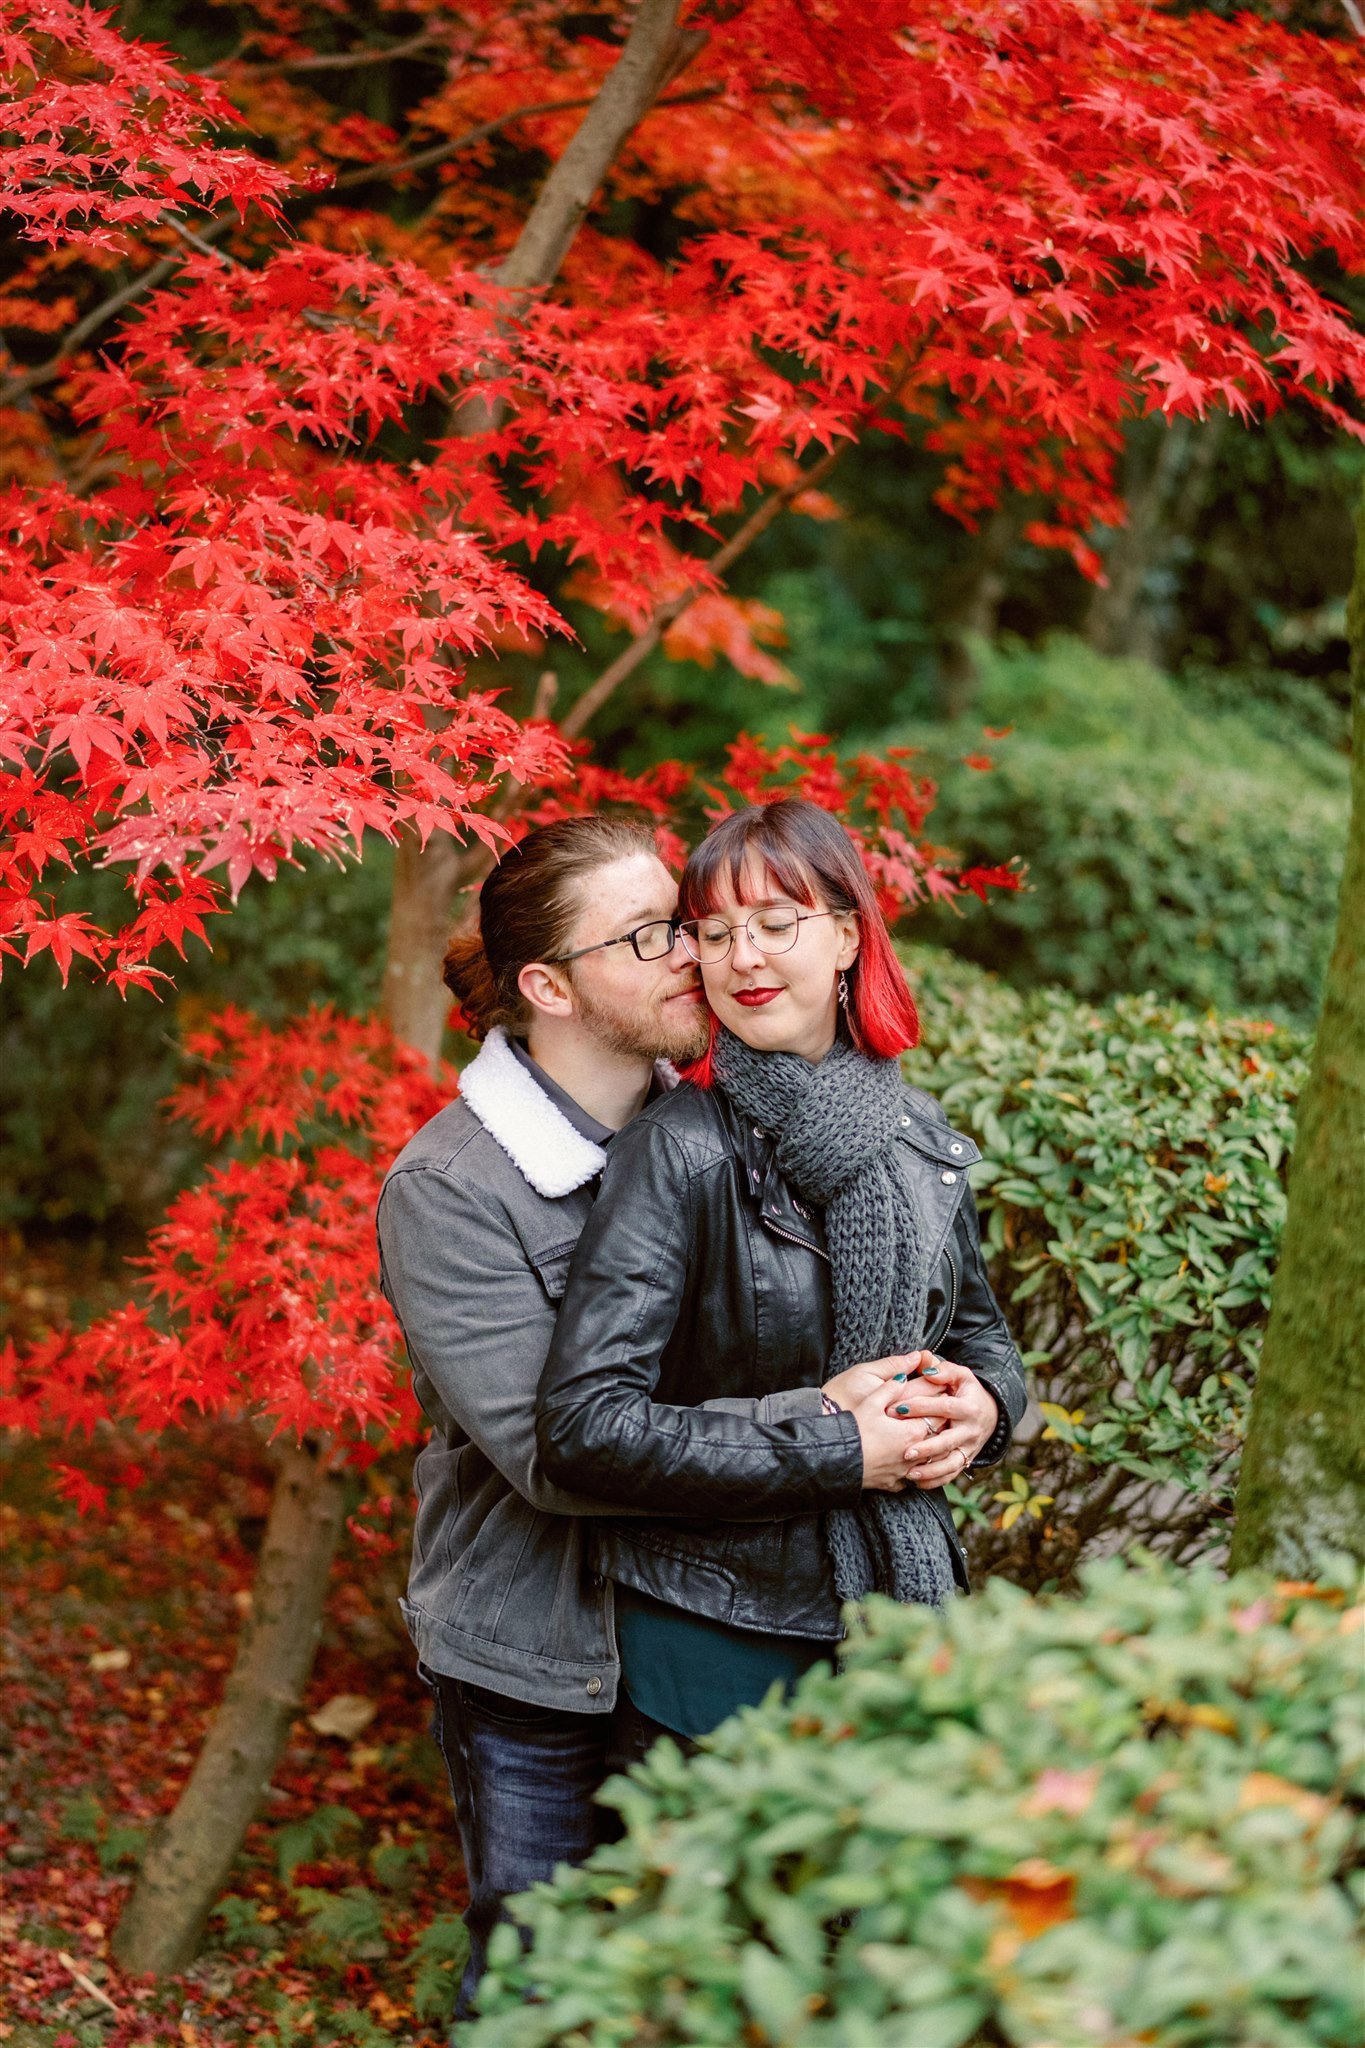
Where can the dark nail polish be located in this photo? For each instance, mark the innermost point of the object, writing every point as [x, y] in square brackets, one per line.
[930, 1372]
[898, 1375]
[902, 1411]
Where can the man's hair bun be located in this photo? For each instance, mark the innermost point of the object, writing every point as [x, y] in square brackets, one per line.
[467, 974]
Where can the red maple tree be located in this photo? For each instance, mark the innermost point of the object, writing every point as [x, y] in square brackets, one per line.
[236, 617]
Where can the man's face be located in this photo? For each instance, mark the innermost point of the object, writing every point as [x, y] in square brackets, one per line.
[649, 1009]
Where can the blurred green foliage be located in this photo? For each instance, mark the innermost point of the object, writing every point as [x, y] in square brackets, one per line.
[1121, 1819]
[1185, 838]
[1132, 1196]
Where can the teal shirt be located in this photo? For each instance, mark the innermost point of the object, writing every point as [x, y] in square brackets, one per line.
[688, 1673]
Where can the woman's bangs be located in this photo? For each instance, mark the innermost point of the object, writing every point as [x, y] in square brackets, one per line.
[733, 857]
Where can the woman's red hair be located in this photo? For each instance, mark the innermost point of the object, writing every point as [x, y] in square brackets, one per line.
[813, 860]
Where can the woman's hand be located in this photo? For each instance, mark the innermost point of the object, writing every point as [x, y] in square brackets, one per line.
[959, 1414]
[850, 1388]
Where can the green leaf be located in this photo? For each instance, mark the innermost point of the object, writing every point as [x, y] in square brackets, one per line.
[303, 1841]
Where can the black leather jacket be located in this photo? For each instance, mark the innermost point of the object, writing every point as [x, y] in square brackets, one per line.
[699, 1276]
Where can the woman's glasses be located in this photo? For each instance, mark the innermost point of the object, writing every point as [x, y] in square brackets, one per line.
[708, 940]
[705, 939]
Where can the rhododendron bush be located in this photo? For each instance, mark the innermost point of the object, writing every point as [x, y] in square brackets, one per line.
[1129, 1818]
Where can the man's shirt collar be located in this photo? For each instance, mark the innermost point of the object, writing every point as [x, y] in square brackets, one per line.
[573, 1112]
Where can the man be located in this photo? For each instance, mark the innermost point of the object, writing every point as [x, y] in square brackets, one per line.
[580, 990]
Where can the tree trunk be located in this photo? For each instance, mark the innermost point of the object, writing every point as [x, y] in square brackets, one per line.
[973, 611]
[193, 1850]
[426, 878]
[1302, 1489]
[1164, 488]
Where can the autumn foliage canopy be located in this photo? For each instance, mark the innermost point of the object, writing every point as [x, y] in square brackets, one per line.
[285, 451]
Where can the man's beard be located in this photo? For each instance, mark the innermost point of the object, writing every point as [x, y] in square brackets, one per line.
[663, 1030]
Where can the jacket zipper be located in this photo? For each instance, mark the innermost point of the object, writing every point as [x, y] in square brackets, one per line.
[789, 1237]
[952, 1301]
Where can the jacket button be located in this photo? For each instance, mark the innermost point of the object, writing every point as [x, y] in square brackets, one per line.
[594, 1687]
[759, 1131]
[948, 1179]
[905, 1119]
[956, 1151]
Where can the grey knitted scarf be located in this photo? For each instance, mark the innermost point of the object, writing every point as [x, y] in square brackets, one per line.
[836, 1127]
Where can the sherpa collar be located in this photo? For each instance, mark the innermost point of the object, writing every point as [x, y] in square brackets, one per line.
[534, 1133]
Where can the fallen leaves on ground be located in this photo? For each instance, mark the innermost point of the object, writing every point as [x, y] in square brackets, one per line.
[117, 1635]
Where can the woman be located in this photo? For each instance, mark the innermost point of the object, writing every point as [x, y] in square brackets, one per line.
[797, 1209]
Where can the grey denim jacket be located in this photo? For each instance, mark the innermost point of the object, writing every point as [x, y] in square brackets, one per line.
[478, 1218]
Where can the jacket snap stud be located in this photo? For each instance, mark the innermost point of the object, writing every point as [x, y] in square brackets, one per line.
[948, 1179]
[594, 1687]
[759, 1131]
[956, 1150]
[905, 1119]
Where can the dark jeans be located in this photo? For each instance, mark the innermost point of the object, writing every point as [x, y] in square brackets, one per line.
[523, 1780]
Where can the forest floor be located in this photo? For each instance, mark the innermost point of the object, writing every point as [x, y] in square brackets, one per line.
[117, 1630]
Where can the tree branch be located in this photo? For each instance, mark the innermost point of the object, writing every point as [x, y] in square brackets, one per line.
[341, 60]
[472, 863]
[628, 660]
[423, 159]
[43, 373]
[23, 382]
[654, 53]
[203, 244]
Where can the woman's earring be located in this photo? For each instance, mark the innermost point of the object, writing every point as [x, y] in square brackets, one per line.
[843, 991]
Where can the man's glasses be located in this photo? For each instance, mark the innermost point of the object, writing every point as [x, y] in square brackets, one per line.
[652, 941]
[708, 940]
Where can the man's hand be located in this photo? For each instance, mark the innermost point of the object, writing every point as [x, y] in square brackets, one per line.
[887, 1439]
[850, 1388]
[960, 1415]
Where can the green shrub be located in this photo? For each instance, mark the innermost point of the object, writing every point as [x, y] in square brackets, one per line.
[1049, 1823]
[1132, 1196]
[1171, 844]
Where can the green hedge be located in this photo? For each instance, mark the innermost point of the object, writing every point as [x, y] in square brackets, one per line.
[1050, 1823]
[1171, 844]
[1132, 1197]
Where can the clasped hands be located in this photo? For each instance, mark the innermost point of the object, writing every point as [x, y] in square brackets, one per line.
[922, 1419]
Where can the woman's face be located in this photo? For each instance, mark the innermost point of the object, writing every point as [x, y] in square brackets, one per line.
[776, 995]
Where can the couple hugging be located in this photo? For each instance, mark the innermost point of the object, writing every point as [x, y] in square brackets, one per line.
[699, 1355]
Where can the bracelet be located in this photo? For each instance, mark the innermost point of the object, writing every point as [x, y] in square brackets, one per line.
[829, 1407]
